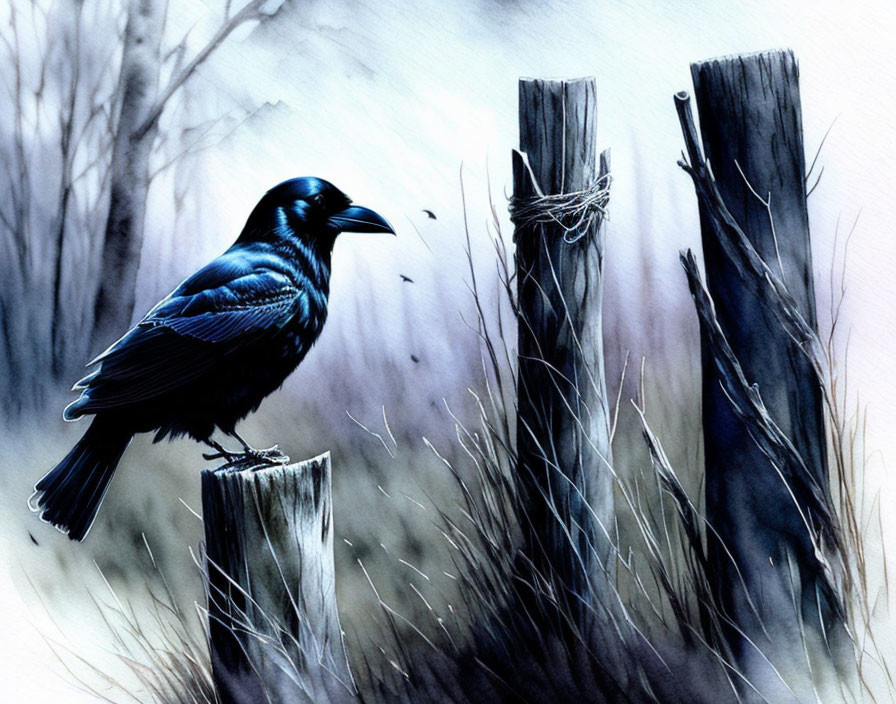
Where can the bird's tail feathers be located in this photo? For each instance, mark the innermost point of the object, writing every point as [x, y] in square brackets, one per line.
[69, 496]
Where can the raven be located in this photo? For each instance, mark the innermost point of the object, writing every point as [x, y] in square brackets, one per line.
[210, 352]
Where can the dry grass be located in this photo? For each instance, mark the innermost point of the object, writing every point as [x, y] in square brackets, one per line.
[496, 632]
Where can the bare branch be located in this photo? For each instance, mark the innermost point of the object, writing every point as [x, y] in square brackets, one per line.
[197, 145]
[252, 11]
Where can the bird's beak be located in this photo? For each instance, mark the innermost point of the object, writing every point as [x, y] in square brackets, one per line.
[356, 218]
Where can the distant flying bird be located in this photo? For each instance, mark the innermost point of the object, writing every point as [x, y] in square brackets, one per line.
[430, 214]
[209, 352]
[406, 279]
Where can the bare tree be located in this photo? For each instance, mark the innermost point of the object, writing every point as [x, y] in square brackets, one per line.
[143, 103]
[79, 130]
[56, 123]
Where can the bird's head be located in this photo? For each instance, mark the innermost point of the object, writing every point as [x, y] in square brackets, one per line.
[312, 208]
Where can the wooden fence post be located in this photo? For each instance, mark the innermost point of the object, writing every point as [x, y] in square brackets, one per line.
[563, 428]
[767, 485]
[274, 629]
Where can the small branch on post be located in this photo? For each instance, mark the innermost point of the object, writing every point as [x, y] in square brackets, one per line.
[563, 428]
[274, 630]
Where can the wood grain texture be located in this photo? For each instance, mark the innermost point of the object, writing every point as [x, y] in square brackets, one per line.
[751, 124]
[273, 623]
[563, 429]
[758, 263]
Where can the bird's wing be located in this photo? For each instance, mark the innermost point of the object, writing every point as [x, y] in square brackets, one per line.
[145, 363]
[235, 312]
[188, 332]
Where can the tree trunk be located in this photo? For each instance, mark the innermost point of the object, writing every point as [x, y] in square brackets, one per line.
[767, 490]
[563, 429]
[274, 629]
[129, 171]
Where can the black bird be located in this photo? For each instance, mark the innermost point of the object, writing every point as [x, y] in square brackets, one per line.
[208, 353]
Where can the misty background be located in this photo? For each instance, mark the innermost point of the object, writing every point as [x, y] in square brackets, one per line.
[412, 107]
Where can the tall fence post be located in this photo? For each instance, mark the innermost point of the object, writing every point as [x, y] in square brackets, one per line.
[274, 630]
[563, 428]
[773, 546]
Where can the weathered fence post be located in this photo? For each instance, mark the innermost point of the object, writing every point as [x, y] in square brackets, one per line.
[273, 625]
[563, 428]
[775, 541]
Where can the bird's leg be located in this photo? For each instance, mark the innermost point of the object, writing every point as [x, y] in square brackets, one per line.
[271, 455]
[220, 452]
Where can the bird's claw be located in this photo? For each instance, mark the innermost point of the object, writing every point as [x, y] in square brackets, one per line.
[251, 457]
[270, 455]
[258, 459]
[220, 453]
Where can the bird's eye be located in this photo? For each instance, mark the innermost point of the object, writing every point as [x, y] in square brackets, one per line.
[318, 200]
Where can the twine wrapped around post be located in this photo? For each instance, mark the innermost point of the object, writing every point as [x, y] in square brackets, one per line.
[576, 213]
